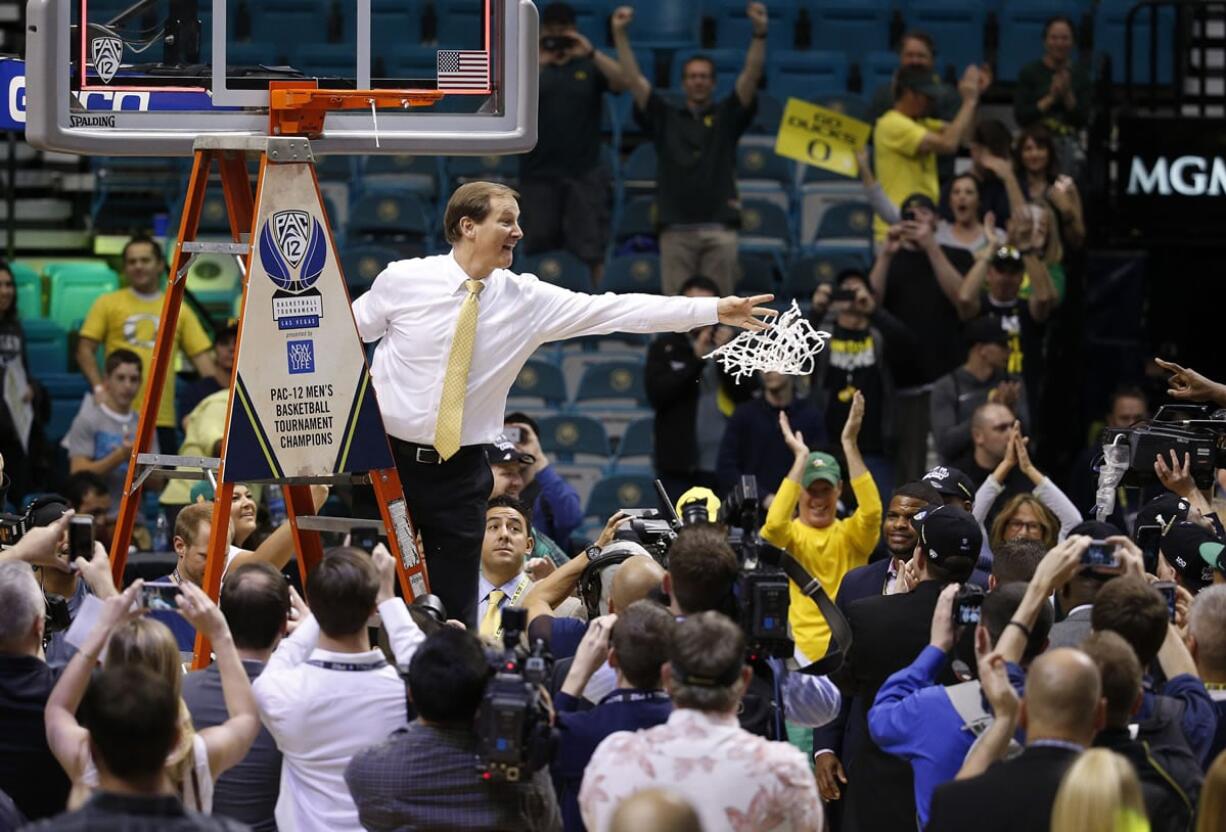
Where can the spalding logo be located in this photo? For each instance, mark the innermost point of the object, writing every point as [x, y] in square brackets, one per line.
[293, 250]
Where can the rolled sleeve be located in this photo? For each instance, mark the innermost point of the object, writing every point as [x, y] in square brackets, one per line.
[808, 701]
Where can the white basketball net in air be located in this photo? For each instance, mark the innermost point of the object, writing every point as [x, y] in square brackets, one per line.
[787, 346]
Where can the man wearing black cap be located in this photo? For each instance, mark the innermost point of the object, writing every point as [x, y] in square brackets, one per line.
[1193, 550]
[507, 463]
[991, 288]
[954, 486]
[906, 142]
[983, 378]
[888, 632]
[917, 281]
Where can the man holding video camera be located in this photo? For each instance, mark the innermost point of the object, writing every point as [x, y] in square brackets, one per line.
[423, 775]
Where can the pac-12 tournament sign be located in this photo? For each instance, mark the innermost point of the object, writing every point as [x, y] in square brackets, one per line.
[303, 403]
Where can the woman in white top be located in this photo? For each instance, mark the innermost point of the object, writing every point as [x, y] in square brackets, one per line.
[128, 639]
[967, 231]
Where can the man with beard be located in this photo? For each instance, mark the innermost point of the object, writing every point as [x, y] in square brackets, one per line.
[831, 744]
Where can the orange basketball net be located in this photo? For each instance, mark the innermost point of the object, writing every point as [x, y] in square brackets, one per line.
[298, 108]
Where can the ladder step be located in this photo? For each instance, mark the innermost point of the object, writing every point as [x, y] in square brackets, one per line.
[319, 523]
[205, 463]
[204, 247]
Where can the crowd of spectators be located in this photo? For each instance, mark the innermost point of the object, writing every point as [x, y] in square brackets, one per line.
[1011, 663]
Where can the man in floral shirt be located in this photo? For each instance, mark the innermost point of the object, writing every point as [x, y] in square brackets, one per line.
[735, 780]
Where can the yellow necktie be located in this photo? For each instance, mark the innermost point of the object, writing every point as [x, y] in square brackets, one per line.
[450, 420]
[491, 620]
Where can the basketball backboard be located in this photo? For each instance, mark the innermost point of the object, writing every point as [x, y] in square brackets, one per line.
[146, 77]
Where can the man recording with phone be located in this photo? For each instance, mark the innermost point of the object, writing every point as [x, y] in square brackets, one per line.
[855, 359]
[917, 280]
[556, 507]
[563, 182]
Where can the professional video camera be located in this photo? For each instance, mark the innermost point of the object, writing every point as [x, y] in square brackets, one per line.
[13, 527]
[514, 737]
[1193, 429]
[762, 588]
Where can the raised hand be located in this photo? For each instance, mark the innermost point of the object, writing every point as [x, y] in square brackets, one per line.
[941, 635]
[1187, 385]
[855, 418]
[610, 529]
[385, 568]
[745, 312]
[198, 608]
[794, 439]
[621, 18]
[756, 12]
[1175, 478]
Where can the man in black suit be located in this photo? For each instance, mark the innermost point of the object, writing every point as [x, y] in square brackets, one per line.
[831, 745]
[888, 632]
[1060, 713]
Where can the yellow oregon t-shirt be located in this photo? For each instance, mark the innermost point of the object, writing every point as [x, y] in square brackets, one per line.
[124, 320]
[827, 554]
[901, 169]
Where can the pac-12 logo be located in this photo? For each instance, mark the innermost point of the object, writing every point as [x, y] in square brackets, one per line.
[107, 54]
[293, 250]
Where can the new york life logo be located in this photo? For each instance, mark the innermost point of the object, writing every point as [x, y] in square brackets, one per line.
[293, 251]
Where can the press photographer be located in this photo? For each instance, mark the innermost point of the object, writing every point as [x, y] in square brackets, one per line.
[423, 776]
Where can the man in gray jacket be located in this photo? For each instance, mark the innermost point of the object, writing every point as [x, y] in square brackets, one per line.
[983, 378]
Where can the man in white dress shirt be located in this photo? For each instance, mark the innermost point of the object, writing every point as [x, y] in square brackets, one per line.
[456, 329]
[325, 694]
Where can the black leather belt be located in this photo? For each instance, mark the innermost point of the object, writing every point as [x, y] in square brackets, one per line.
[424, 454]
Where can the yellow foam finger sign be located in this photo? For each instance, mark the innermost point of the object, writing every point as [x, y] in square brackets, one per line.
[821, 137]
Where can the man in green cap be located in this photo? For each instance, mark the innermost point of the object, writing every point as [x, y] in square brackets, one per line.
[826, 546]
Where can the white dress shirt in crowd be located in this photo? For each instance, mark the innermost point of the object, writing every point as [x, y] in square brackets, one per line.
[413, 306]
[732, 778]
[321, 716]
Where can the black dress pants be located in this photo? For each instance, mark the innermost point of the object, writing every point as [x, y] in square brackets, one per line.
[447, 501]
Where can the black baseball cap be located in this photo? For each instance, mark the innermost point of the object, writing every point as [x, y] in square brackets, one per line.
[503, 450]
[950, 482]
[1008, 259]
[986, 329]
[919, 200]
[918, 80]
[1194, 551]
[1162, 511]
[1095, 530]
[948, 532]
[47, 509]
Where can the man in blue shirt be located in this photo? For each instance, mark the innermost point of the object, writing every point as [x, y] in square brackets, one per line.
[635, 643]
[915, 718]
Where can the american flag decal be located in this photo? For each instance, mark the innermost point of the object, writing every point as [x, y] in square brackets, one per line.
[463, 69]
